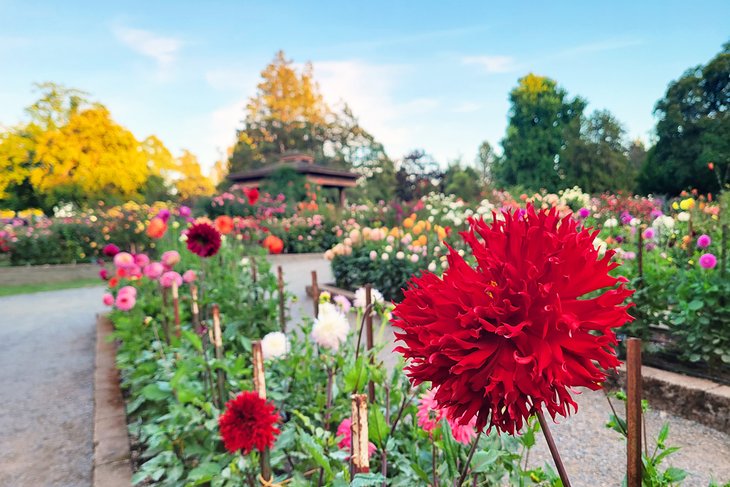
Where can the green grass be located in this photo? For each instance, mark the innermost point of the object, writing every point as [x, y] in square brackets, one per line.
[48, 286]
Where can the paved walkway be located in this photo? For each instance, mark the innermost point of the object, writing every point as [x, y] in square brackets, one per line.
[46, 369]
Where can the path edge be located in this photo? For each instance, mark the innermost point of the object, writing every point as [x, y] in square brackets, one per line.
[112, 466]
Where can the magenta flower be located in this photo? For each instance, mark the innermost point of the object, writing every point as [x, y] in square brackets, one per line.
[189, 276]
[128, 290]
[344, 430]
[123, 260]
[170, 258]
[104, 274]
[708, 261]
[184, 211]
[429, 414]
[163, 214]
[343, 303]
[110, 250]
[125, 301]
[584, 212]
[463, 433]
[108, 299]
[154, 270]
[649, 233]
[141, 259]
[169, 277]
[704, 241]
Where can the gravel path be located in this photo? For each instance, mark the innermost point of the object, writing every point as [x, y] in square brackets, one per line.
[593, 455]
[46, 370]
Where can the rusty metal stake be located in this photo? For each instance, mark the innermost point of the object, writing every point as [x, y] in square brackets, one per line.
[369, 336]
[633, 412]
[360, 458]
[553, 448]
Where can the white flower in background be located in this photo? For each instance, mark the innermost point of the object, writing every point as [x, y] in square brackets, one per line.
[385, 256]
[389, 248]
[390, 239]
[432, 267]
[373, 255]
[431, 219]
[414, 258]
[634, 222]
[683, 216]
[663, 224]
[461, 252]
[274, 344]
[331, 327]
[343, 303]
[400, 255]
[444, 264]
[375, 295]
[610, 223]
[600, 245]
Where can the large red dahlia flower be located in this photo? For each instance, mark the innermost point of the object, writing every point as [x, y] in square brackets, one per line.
[248, 423]
[203, 239]
[517, 332]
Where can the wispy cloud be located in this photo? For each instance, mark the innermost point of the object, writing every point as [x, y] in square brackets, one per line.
[162, 49]
[492, 64]
[600, 46]
[466, 107]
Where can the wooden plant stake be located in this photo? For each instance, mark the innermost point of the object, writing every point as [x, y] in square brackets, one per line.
[282, 299]
[640, 255]
[259, 384]
[165, 324]
[315, 294]
[633, 412]
[176, 308]
[369, 335]
[194, 310]
[553, 448]
[197, 326]
[218, 344]
[359, 444]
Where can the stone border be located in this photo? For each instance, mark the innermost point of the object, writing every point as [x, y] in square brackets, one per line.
[112, 466]
[696, 399]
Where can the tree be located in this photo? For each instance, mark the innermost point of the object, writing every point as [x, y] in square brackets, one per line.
[693, 129]
[486, 159]
[637, 155]
[418, 174]
[89, 158]
[539, 119]
[191, 182]
[596, 159]
[463, 182]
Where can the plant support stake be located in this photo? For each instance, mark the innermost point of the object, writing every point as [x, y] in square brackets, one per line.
[633, 412]
[282, 299]
[315, 294]
[360, 458]
[369, 335]
[176, 308]
[259, 380]
[553, 448]
[218, 344]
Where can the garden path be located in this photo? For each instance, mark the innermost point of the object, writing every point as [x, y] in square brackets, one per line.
[46, 370]
[594, 455]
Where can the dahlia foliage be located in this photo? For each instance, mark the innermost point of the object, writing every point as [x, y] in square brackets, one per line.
[517, 332]
[248, 423]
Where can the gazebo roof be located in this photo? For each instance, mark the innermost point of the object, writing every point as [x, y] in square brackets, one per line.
[303, 164]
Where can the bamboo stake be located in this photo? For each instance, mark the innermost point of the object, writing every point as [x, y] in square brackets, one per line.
[218, 344]
[640, 255]
[176, 308]
[360, 458]
[200, 330]
[369, 336]
[165, 325]
[259, 379]
[282, 299]
[315, 294]
[633, 412]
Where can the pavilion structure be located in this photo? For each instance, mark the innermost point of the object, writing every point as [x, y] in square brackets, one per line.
[323, 176]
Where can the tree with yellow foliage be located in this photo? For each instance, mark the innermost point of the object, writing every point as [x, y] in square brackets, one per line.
[91, 157]
[191, 182]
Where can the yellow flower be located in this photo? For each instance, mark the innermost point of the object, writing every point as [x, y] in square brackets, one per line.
[422, 240]
[687, 204]
[675, 205]
[7, 213]
[440, 231]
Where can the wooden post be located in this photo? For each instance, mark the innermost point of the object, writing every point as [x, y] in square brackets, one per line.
[315, 294]
[218, 344]
[369, 335]
[259, 379]
[195, 311]
[633, 412]
[282, 299]
[360, 457]
[165, 324]
[176, 308]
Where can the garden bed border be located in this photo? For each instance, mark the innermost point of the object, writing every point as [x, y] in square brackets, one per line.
[112, 466]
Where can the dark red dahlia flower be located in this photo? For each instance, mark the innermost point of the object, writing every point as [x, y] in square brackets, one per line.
[248, 423]
[203, 239]
[517, 332]
[252, 194]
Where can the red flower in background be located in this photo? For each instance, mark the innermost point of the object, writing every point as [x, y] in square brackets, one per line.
[248, 423]
[515, 333]
[224, 224]
[203, 239]
[156, 228]
[274, 244]
[252, 194]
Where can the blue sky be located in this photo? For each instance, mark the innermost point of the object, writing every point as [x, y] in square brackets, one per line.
[431, 75]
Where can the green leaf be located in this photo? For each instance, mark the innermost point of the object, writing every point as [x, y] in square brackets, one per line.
[315, 451]
[157, 391]
[673, 474]
[378, 430]
[356, 376]
[695, 304]
[204, 473]
[194, 340]
[367, 480]
[482, 460]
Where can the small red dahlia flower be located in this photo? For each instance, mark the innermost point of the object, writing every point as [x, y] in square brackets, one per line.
[203, 239]
[517, 332]
[252, 194]
[248, 423]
